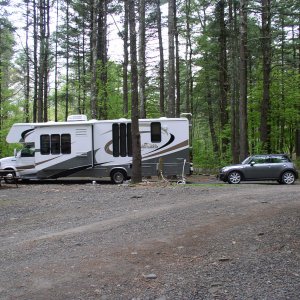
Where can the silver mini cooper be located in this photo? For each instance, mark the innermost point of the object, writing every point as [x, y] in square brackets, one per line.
[261, 167]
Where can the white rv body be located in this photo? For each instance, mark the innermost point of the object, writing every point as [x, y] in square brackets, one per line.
[98, 148]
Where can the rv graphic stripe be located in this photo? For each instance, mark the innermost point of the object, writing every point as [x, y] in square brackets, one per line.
[175, 147]
[24, 133]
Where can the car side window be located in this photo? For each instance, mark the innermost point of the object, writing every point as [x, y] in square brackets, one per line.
[279, 159]
[260, 159]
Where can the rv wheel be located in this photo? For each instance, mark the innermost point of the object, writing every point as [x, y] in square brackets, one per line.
[10, 177]
[118, 176]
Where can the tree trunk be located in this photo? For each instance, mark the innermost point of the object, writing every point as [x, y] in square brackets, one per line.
[41, 61]
[265, 127]
[46, 58]
[223, 80]
[177, 100]
[27, 84]
[35, 61]
[234, 54]
[161, 62]
[125, 62]
[136, 138]
[67, 60]
[56, 67]
[142, 59]
[84, 87]
[171, 75]
[297, 143]
[243, 137]
[94, 59]
[102, 59]
[188, 58]
[211, 121]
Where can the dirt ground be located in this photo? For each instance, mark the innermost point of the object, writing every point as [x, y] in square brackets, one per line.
[157, 240]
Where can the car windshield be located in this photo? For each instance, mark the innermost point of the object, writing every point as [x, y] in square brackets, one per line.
[247, 160]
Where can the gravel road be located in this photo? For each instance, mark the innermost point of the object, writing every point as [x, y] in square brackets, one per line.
[152, 241]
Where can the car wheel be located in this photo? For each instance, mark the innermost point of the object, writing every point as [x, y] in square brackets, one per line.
[288, 177]
[234, 177]
[118, 176]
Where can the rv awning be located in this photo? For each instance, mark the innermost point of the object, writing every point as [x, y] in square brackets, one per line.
[18, 132]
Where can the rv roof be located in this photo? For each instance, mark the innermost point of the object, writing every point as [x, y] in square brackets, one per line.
[15, 133]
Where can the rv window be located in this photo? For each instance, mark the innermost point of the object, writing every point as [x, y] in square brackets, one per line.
[123, 139]
[45, 144]
[55, 144]
[65, 143]
[28, 150]
[129, 140]
[116, 140]
[155, 132]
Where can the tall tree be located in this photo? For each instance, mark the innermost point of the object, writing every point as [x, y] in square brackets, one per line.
[125, 62]
[56, 65]
[233, 79]
[35, 60]
[142, 59]
[188, 58]
[94, 10]
[67, 57]
[177, 65]
[27, 84]
[223, 70]
[265, 127]
[161, 62]
[136, 137]
[171, 68]
[102, 59]
[46, 58]
[243, 137]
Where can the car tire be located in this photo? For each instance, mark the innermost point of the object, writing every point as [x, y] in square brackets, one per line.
[234, 177]
[288, 177]
[118, 176]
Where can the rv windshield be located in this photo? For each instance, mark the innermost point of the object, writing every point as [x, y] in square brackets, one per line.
[28, 150]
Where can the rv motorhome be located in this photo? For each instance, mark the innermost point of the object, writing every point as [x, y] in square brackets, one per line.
[81, 148]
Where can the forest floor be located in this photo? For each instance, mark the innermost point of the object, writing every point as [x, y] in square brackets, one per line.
[156, 240]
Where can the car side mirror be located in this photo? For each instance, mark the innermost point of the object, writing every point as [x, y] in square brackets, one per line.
[15, 152]
[252, 163]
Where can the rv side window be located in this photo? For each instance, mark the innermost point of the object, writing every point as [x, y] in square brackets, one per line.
[129, 140]
[116, 140]
[65, 143]
[123, 139]
[55, 144]
[45, 144]
[28, 150]
[155, 132]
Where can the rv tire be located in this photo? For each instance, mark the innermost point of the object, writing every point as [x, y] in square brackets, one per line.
[118, 176]
[10, 177]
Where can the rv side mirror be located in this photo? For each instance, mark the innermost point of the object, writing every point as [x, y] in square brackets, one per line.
[15, 152]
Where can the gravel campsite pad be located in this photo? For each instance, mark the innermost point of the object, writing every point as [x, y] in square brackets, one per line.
[151, 241]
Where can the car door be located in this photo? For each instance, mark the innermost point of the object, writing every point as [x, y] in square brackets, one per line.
[258, 168]
[278, 164]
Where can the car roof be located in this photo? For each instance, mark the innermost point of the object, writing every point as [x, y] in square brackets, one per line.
[283, 154]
